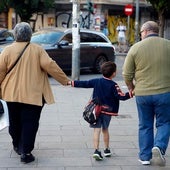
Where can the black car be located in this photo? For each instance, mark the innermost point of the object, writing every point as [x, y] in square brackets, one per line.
[6, 37]
[95, 47]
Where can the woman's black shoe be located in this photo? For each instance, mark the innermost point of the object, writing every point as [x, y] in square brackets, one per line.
[17, 150]
[27, 158]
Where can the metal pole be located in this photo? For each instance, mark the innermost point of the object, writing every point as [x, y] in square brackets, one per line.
[137, 22]
[75, 41]
[128, 38]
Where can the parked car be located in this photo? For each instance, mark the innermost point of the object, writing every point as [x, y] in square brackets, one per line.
[6, 37]
[95, 47]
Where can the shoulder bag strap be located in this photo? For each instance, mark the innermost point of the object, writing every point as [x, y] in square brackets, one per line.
[18, 57]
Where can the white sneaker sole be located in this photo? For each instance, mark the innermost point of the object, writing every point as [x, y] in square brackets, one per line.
[97, 157]
[157, 157]
[107, 154]
[144, 162]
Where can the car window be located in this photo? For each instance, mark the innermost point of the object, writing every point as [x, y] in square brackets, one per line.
[46, 37]
[68, 37]
[90, 37]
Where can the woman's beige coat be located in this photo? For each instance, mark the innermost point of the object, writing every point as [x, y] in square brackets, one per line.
[28, 81]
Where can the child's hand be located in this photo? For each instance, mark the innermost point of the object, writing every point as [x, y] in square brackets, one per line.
[133, 92]
[69, 83]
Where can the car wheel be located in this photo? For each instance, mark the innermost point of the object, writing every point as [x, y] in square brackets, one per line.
[98, 62]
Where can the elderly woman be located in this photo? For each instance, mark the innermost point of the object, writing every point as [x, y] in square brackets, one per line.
[26, 88]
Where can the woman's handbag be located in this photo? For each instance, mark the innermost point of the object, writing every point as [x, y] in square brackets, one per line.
[4, 117]
[92, 111]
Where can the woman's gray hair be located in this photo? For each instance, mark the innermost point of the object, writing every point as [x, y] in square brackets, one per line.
[22, 32]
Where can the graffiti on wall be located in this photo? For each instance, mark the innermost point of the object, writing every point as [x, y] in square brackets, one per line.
[64, 19]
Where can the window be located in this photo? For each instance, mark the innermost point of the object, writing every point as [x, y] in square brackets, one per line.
[68, 38]
[90, 37]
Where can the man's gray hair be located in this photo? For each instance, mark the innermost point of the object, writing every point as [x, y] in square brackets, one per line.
[151, 26]
[22, 32]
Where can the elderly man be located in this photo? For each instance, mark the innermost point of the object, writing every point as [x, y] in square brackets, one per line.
[146, 72]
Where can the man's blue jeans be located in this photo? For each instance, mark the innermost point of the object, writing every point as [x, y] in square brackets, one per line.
[153, 110]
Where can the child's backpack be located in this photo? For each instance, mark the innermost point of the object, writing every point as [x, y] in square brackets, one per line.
[91, 111]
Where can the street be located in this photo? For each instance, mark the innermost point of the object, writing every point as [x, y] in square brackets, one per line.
[85, 75]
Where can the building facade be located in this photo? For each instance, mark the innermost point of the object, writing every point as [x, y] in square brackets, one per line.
[104, 17]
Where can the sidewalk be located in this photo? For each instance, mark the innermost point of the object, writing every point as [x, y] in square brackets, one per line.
[121, 53]
[64, 140]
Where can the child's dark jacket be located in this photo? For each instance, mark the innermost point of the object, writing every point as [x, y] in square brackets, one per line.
[107, 91]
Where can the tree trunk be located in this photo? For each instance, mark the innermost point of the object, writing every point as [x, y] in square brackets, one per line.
[4, 20]
[161, 23]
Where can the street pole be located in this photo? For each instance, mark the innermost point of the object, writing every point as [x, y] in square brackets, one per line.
[137, 22]
[128, 38]
[75, 40]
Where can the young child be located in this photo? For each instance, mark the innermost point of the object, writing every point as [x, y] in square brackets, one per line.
[109, 94]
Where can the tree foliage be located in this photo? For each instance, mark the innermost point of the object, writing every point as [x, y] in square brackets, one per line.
[161, 6]
[4, 5]
[25, 9]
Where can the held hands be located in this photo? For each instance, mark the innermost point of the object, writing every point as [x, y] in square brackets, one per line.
[132, 93]
[69, 83]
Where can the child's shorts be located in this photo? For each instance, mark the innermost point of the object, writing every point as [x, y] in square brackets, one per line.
[102, 122]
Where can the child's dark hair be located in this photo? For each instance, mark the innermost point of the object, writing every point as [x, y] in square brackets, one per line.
[108, 68]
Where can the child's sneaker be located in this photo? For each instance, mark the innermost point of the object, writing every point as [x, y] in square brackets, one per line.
[97, 155]
[107, 152]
